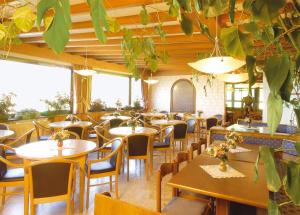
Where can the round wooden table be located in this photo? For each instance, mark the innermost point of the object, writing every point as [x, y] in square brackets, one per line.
[5, 134]
[63, 124]
[151, 115]
[126, 131]
[72, 149]
[165, 122]
[115, 117]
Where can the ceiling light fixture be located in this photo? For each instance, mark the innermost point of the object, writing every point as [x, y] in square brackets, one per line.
[86, 71]
[216, 63]
[234, 78]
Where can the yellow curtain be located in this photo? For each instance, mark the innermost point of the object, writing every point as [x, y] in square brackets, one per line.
[82, 92]
[145, 93]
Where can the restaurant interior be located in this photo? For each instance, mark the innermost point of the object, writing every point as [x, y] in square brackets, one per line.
[143, 107]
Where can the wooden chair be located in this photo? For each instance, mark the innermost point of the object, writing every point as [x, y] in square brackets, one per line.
[191, 127]
[178, 205]
[101, 140]
[196, 147]
[4, 126]
[113, 123]
[39, 128]
[76, 129]
[76, 118]
[105, 167]
[105, 205]
[23, 139]
[92, 120]
[59, 175]
[168, 142]
[180, 134]
[138, 147]
[209, 123]
[9, 177]
[73, 135]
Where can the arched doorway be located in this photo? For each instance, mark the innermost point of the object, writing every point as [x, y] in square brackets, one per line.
[183, 96]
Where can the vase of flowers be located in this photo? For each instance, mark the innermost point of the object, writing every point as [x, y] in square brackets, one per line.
[220, 152]
[233, 139]
[133, 123]
[60, 137]
[200, 112]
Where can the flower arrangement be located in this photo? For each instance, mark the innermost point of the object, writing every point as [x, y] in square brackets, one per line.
[220, 152]
[60, 136]
[200, 112]
[116, 114]
[133, 122]
[72, 118]
[233, 139]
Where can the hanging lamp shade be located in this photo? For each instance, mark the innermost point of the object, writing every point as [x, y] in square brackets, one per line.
[217, 65]
[234, 78]
[85, 72]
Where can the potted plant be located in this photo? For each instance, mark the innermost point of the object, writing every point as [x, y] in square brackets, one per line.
[137, 104]
[59, 105]
[6, 106]
[97, 106]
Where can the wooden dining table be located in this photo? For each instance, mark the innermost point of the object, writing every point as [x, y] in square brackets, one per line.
[6, 134]
[107, 118]
[126, 131]
[63, 124]
[240, 190]
[76, 150]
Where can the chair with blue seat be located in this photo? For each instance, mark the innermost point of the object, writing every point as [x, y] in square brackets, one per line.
[4, 126]
[76, 129]
[180, 135]
[40, 128]
[105, 167]
[220, 118]
[9, 177]
[168, 142]
[289, 147]
[286, 129]
[191, 127]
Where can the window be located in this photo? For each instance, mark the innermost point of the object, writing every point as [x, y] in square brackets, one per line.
[236, 92]
[136, 91]
[110, 89]
[32, 83]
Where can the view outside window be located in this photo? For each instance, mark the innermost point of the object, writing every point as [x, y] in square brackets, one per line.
[32, 83]
[110, 89]
[136, 91]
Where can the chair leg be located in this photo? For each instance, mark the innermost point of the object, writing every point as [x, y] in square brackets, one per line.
[68, 207]
[166, 156]
[3, 195]
[146, 169]
[117, 186]
[110, 184]
[32, 208]
[87, 193]
[127, 169]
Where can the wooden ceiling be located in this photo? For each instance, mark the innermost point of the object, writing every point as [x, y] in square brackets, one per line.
[181, 48]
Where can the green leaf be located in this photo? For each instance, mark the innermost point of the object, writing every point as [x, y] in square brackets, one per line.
[287, 87]
[198, 5]
[292, 182]
[3, 31]
[144, 16]
[114, 26]
[273, 180]
[298, 62]
[274, 114]
[276, 70]
[159, 30]
[186, 5]
[231, 10]
[247, 4]
[57, 35]
[236, 43]
[256, 176]
[267, 35]
[251, 63]
[99, 18]
[204, 29]
[266, 10]
[174, 9]
[273, 208]
[164, 56]
[297, 146]
[186, 24]
[213, 8]
[48, 21]
[24, 18]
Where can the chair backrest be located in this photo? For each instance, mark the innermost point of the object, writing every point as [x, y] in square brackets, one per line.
[76, 129]
[50, 178]
[69, 118]
[92, 120]
[73, 135]
[100, 132]
[211, 122]
[3, 166]
[164, 169]
[109, 206]
[195, 147]
[289, 147]
[4, 126]
[138, 144]
[38, 127]
[180, 130]
[113, 123]
[116, 145]
[191, 125]
[169, 135]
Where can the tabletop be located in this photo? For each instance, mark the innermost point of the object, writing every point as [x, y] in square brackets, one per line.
[149, 114]
[48, 149]
[6, 133]
[125, 131]
[166, 122]
[115, 117]
[63, 124]
[242, 190]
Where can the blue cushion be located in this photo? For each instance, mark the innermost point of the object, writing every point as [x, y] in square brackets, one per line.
[289, 147]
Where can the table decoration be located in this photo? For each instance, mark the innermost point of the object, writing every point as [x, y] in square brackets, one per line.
[133, 123]
[60, 136]
[220, 152]
[215, 171]
[72, 118]
[233, 139]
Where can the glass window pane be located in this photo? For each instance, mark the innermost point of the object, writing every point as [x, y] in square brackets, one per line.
[237, 95]
[110, 89]
[136, 91]
[32, 83]
[237, 104]
[228, 104]
[228, 95]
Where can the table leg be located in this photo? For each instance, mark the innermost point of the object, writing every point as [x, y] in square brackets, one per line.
[81, 162]
[26, 188]
[151, 155]
[222, 207]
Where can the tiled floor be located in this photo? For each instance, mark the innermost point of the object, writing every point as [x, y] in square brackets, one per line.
[137, 191]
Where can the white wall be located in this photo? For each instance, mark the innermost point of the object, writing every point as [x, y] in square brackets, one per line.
[287, 113]
[211, 104]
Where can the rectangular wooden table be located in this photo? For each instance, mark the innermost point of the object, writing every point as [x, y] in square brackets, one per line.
[241, 190]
